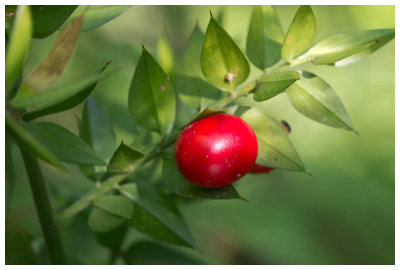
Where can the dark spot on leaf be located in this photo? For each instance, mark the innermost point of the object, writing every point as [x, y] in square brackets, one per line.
[162, 88]
[286, 126]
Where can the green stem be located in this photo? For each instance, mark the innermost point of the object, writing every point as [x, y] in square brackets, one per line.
[220, 104]
[109, 184]
[278, 65]
[43, 208]
[9, 171]
[299, 60]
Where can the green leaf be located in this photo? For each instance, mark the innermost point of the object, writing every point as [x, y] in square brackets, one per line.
[274, 147]
[30, 143]
[265, 37]
[151, 96]
[96, 15]
[124, 159]
[144, 222]
[314, 98]
[115, 204]
[59, 98]
[300, 34]
[344, 48]
[103, 221]
[222, 61]
[112, 239]
[96, 129]
[145, 140]
[51, 68]
[188, 71]
[112, 181]
[9, 171]
[271, 85]
[189, 62]
[48, 18]
[18, 46]
[64, 144]
[165, 52]
[149, 173]
[150, 253]
[154, 214]
[179, 185]
[189, 84]
[109, 212]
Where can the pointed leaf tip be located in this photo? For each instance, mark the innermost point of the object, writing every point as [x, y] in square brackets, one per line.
[211, 13]
[221, 56]
[315, 98]
[300, 34]
[151, 98]
[346, 48]
[176, 183]
[274, 146]
[265, 37]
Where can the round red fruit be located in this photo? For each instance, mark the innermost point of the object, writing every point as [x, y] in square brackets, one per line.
[216, 150]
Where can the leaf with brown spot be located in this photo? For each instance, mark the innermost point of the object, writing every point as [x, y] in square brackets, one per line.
[220, 55]
[51, 68]
[275, 149]
[151, 100]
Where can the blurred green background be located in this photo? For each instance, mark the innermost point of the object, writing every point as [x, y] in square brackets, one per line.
[344, 214]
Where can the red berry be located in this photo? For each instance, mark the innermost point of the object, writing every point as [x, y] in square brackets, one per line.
[216, 150]
[259, 169]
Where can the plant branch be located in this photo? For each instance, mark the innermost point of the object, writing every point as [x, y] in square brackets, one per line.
[43, 208]
[220, 104]
[167, 141]
[300, 60]
[109, 184]
[277, 66]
